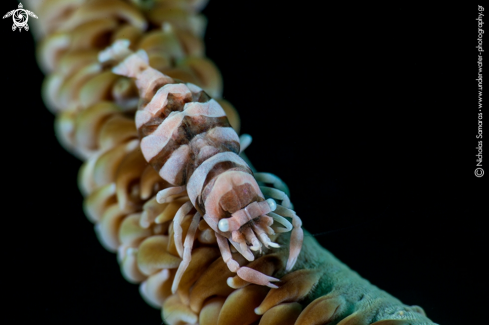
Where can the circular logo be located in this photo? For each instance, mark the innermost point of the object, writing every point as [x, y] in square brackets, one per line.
[20, 18]
[479, 172]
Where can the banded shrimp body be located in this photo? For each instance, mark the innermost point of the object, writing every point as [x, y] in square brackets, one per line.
[186, 137]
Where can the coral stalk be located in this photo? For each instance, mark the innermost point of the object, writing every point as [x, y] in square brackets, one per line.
[95, 120]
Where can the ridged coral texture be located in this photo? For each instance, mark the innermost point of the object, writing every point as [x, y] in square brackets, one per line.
[95, 111]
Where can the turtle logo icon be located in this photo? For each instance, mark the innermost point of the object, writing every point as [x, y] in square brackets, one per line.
[20, 17]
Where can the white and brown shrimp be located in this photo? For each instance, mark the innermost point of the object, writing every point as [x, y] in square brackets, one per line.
[185, 135]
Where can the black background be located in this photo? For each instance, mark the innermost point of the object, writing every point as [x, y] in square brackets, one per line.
[367, 113]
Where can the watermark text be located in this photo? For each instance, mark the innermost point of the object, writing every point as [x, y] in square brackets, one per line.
[479, 171]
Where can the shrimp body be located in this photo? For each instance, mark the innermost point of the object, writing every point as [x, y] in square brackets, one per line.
[186, 137]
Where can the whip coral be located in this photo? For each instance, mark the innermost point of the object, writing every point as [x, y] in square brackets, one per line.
[95, 120]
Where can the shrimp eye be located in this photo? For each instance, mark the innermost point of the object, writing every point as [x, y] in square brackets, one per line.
[223, 225]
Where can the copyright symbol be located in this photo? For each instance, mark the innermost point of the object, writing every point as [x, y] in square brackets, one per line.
[479, 172]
